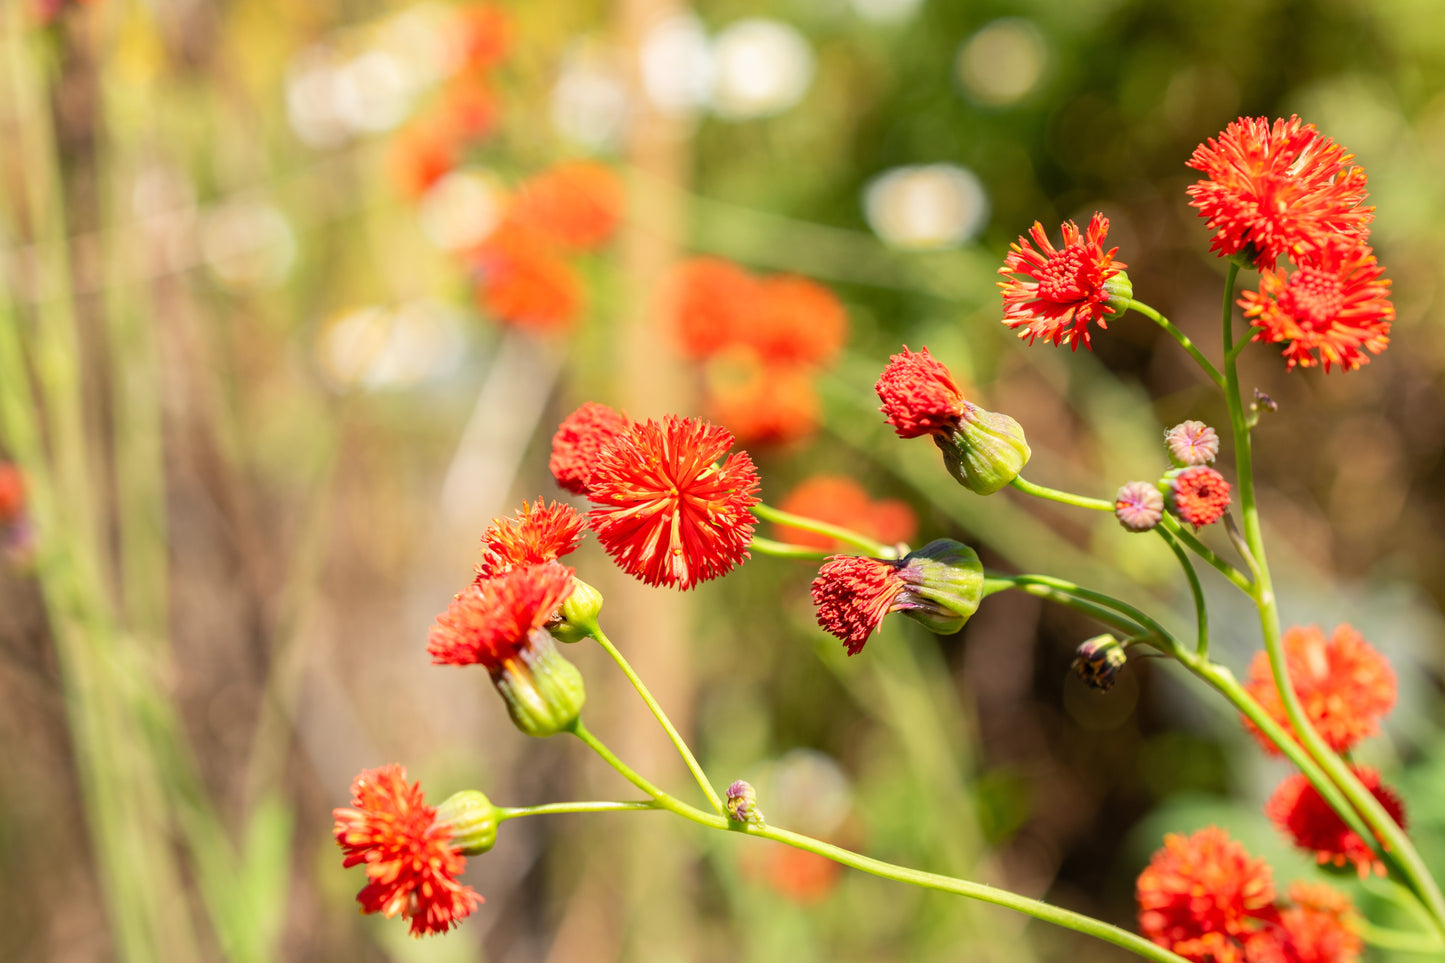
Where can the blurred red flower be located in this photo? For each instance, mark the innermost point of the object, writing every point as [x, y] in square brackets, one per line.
[575, 205]
[839, 500]
[522, 282]
[1302, 814]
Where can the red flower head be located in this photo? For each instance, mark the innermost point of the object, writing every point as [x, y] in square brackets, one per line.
[1344, 684]
[422, 154]
[666, 512]
[1054, 294]
[1199, 495]
[919, 395]
[1315, 930]
[1335, 303]
[483, 35]
[839, 500]
[491, 622]
[853, 595]
[576, 205]
[794, 321]
[760, 402]
[522, 282]
[1201, 893]
[411, 865]
[1302, 814]
[707, 301]
[1277, 191]
[538, 533]
[12, 493]
[580, 441]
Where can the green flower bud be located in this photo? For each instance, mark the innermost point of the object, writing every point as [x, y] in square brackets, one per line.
[1121, 291]
[943, 585]
[577, 618]
[1098, 661]
[986, 452]
[472, 819]
[543, 691]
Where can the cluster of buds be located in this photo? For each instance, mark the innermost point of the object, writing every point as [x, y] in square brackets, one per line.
[1192, 491]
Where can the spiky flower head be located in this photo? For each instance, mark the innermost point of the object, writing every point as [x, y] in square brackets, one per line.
[1054, 293]
[1302, 814]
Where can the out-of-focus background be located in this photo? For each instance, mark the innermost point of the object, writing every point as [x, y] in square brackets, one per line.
[293, 296]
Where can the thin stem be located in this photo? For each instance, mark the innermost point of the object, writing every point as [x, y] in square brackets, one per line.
[594, 806]
[1201, 612]
[869, 546]
[1235, 576]
[682, 749]
[1100, 600]
[766, 546]
[1182, 338]
[947, 884]
[1399, 940]
[1397, 844]
[1065, 498]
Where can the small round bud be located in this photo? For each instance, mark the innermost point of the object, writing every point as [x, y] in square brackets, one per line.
[576, 619]
[986, 452]
[1263, 402]
[472, 819]
[1199, 495]
[1192, 443]
[1121, 291]
[742, 803]
[543, 691]
[1098, 661]
[1139, 506]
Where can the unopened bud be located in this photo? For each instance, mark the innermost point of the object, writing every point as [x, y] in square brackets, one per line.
[576, 619]
[1098, 661]
[1139, 506]
[1198, 495]
[1192, 443]
[986, 452]
[943, 584]
[742, 803]
[472, 819]
[543, 691]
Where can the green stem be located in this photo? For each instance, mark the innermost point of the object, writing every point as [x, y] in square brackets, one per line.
[766, 546]
[947, 884]
[1184, 340]
[553, 809]
[1399, 940]
[869, 546]
[1065, 498]
[1201, 611]
[1235, 576]
[596, 632]
[1076, 592]
[1393, 838]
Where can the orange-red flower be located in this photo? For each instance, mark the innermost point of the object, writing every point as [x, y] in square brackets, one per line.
[575, 205]
[1277, 191]
[541, 532]
[580, 440]
[1199, 495]
[1315, 930]
[667, 511]
[853, 594]
[483, 35]
[919, 395]
[12, 493]
[706, 300]
[1054, 293]
[839, 500]
[1343, 683]
[1202, 895]
[522, 282]
[1302, 814]
[423, 153]
[489, 622]
[1334, 304]
[793, 321]
[759, 402]
[411, 866]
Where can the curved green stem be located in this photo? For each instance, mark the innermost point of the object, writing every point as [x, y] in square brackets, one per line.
[1064, 498]
[596, 632]
[766, 546]
[1073, 591]
[1184, 340]
[1399, 940]
[595, 806]
[1235, 576]
[869, 546]
[1201, 611]
[1398, 845]
[947, 884]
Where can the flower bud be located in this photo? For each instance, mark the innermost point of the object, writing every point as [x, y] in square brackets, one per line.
[742, 803]
[543, 691]
[986, 451]
[472, 819]
[1121, 291]
[576, 619]
[943, 584]
[1098, 661]
[1192, 443]
[1198, 495]
[1139, 506]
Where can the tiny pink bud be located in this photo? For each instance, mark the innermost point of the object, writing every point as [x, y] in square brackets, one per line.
[1192, 443]
[1139, 506]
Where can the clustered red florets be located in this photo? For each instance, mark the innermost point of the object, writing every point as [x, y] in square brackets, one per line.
[1302, 814]
[580, 440]
[541, 532]
[1199, 495]
[853, 595]
[1053, 293]
[919, 395]
[1205, 898]
[489, 622]
[411, 866]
